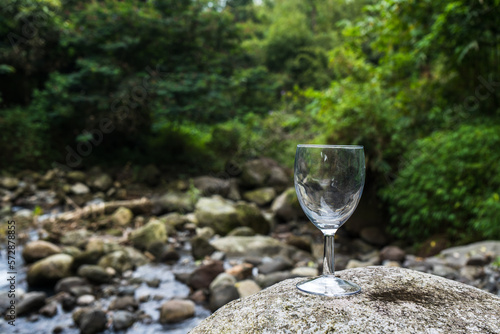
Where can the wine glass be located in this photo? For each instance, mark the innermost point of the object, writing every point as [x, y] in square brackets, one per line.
[329, 180]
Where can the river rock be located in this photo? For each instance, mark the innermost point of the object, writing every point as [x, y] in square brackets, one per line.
[247, 288]
[202, 276]
[209, 185]
[248, 214]
[122, 320]
[76, 176]
[175, 310]
[304, 271]
[221, 295]
[101, 181]
[31, 301]
[393, 300]
[122, 216]
[9, 182]
[118, 260]
[218, 213]
[85, 300]
[145, 236]
[260, 196]
[242, 231]
[175, 220]
[49, 310]
[49, 270]
[77, 238]
[79, 189]
[222, 279]
[457, 257]
[392, 253]
[93, 273]
[373, 235]
[124, 303]
[286, 206]
[200, 247]
[277, 264]
[39, 249]
[248, 246]
[177, 201]
[264, 171]
[266, 281]
[66, 284]
[90, 320]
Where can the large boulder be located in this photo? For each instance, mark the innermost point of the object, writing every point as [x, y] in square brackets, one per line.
[458, 257]
[39, 249]
[392, 300]
[50, 269]
[145, 236]
[217, 213]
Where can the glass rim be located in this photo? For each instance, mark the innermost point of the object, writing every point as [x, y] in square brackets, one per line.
[331, 146]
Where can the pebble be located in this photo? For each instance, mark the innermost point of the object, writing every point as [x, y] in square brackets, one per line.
[124, 303]
[85, 300]
[123, 320]
[175, 310]
[247, 288]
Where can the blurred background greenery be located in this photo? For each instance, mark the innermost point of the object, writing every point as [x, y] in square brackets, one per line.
[189, 84]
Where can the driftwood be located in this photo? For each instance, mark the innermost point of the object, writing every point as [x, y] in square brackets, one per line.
[142, 204]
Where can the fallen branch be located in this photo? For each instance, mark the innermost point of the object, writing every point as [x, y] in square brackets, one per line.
[142, 204]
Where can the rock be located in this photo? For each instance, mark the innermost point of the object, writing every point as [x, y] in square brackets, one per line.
[31, 301]
[304, 272]
[444, 271]
[392, 253]
[218, 213]
[264, 171]
[68, 302]
[472, 272]
[242, 231]
[85, 300]
[177, 201]
[205, 232]
[248, 246]
[234, 192]
[77, 238]
[118, 260]
[266, 281]
[209, 185]
[90, 320]
[373, 235]
[221, 295]
[457, 257]
[127, 303]
[261, 196]
[241, 271]
[39, 249]
[122, 320]
[175, 310]
[49, 310]
[200, 247]
[149, 174]
[49, 270]
[175, 220]
[249, 215]
[202, 276]
[393, 300]
[247, 288]
[286, 206]
[76, 176]
[353, 263]
[9, 182]
[222, 279]
[145, 236]
[122, 216]
[79, 189]
[478, 260]
[301, 242]
[277, 264]
[66, 284]
[93, 273]
[100, 181]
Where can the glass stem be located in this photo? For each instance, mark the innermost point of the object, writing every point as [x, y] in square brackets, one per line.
[328, 256]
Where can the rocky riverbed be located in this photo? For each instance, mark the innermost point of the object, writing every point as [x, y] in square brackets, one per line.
[131, 251]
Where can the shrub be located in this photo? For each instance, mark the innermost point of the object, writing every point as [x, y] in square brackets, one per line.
[449, 182]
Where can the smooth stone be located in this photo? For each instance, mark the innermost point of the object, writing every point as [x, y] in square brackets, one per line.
[258, 245]
[90, 320]
[65, 284]
[260, 196]
[241, 271]
[85, 300]
[49, 310]
[209, 185]
[374, 235]
[266, 281]
[145, 236]
[122, 216]
[94, 273]
[392, 253]
[175, 310]
[49, 270]
[79, 189]
[201, 247]
[249, 215]
[9, 182]
[304, 271]
[176, 201]
[392, 300]
[202, 276]
[242, 231]
[205, 232]
[77, 238]
[76, 176]
[222, 279]
[127, 303]
[100, 181]
[175, 220]
[247, 288]
[221, 295]
[217, 213]
[122, 320]
[458, 256]
[286, 206]
[277, 264]
[353, 263]
[31, 301]
[39, 249]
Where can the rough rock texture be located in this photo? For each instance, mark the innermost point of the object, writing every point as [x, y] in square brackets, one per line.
[393, 300]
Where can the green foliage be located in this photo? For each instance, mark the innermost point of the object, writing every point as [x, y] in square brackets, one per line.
[449, 183]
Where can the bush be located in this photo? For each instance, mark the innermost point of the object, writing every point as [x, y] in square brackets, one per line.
[449, 182]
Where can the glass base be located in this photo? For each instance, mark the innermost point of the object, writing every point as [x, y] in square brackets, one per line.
[328, 285]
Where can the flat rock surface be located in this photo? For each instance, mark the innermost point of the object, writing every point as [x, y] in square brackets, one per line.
[393, 300]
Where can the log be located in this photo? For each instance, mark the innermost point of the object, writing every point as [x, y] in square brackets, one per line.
[142, 204]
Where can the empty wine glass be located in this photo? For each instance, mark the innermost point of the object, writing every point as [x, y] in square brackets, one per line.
[329, 180]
